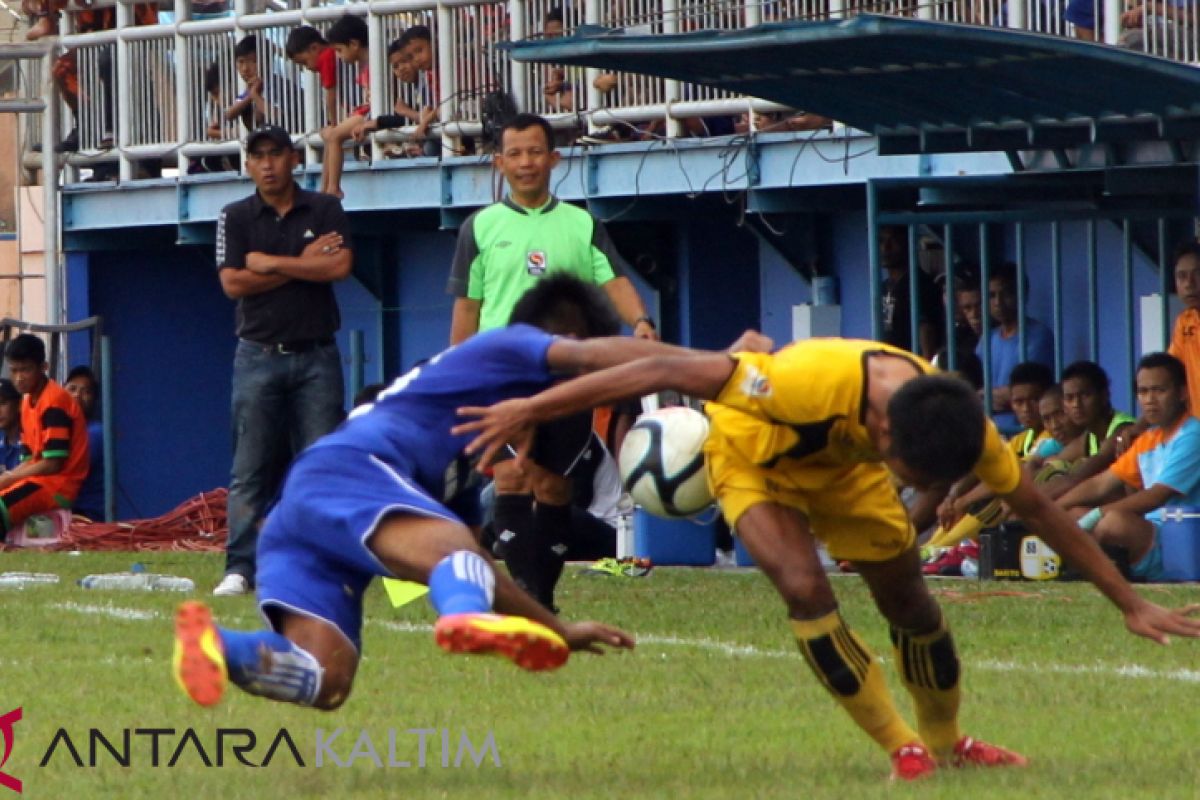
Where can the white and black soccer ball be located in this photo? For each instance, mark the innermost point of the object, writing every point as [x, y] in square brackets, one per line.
[662, 462]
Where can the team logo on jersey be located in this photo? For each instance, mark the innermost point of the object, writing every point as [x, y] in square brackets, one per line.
[755, 384]
[308, 234]
[535, 262]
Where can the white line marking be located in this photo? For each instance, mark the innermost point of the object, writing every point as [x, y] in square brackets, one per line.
[1135, 671]
[109, 610]
[1132, 671]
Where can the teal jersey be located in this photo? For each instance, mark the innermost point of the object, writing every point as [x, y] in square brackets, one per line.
[504, 249]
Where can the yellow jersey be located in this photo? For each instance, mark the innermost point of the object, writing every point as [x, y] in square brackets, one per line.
[805, 406]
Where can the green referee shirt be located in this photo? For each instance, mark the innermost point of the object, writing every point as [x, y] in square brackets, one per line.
[504, 248]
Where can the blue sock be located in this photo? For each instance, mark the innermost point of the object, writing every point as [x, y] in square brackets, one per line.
[462, 583]
[268, 664]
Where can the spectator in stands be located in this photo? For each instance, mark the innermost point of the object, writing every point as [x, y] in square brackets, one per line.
[1185, 339]
[784, 121]
[307, 48]
[1122, 507]
[897, 326]
[1161, 27]
[83, 386]
[213, 124]
[1106, 432]
[1006, 343]
[54, 440]
[1082, 14]
[349, 39]
[419, 142]
[558, 91]
[968, 301]
[417, 45]
[10, 425]
[251, 106]
[278, 254]
[504, 250]
[44, 15]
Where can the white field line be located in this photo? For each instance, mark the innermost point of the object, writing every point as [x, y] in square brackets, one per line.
[1132, 671]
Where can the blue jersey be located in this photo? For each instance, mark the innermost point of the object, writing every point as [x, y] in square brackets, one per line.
[408, 426]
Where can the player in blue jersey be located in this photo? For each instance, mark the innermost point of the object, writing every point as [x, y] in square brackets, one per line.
[390, 493]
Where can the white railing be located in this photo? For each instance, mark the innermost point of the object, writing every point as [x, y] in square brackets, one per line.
[142, 90]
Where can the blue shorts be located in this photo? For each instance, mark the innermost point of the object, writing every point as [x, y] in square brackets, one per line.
[313, 557]
[1150, 567]
[1081, 13]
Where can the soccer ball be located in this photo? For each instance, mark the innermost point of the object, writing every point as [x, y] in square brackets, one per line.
[662, 465]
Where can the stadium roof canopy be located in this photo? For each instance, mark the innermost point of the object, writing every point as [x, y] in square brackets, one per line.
[920, 86]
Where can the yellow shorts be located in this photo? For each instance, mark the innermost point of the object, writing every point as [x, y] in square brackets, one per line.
[853, 509]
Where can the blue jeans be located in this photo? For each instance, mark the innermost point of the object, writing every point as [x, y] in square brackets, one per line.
[282, 403]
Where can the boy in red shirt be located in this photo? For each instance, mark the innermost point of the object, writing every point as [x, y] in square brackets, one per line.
[308, 48]
[54, 443]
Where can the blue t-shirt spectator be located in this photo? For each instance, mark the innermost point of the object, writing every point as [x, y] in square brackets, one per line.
[1006, 354]
[10, 452]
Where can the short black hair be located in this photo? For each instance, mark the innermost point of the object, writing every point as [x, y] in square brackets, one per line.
[1188, 247]
[559, 300]
[1007, 274]
[82, 371]
[554, 15]
[212, 78]
[525, 121]
[347, 29]
[414, 33]
[1031, 373]
[395, 47]
[368, 394]
[246, 46]
[1090, 371]
[1053, 390]
[937, 426]
[302, 38]
[26, 348]
[966, 366]
[1166, 361]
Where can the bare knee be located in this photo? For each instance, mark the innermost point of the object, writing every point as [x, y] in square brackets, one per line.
[551, 489]
[807, 596]
[335, 689]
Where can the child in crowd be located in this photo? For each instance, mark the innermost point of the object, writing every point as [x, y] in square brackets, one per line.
[307, 48]
[251, 106]
[349, 39]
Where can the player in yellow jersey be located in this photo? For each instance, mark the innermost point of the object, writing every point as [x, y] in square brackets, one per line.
[801, 444]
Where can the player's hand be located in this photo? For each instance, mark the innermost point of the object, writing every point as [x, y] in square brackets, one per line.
[588, 636]
[644, 330]
[363, 128]
[752, 342]
[1157, 623]
[506, 422]
[947, 513]
[324, 245]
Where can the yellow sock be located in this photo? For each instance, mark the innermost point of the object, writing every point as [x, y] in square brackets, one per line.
[966, 528]
[849, 670]
[928, 665]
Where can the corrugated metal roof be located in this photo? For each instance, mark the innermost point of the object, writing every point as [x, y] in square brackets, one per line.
[919, 85]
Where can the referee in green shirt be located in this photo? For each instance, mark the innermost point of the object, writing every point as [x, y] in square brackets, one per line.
[502, 251]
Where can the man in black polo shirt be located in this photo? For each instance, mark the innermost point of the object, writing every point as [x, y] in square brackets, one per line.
[278, 253]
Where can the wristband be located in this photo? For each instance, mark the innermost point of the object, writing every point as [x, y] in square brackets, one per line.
[646, 320]
[1089, 520]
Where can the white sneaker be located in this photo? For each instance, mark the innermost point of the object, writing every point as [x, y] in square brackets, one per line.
[231, 585]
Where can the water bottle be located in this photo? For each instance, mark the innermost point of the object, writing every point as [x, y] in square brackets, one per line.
[21, 580]
[970, 568]
[143, 581]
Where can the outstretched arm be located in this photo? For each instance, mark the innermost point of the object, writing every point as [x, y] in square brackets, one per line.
[644, 366]
[1054, 525]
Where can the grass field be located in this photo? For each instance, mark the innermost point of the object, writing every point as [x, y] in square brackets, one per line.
[714, 703]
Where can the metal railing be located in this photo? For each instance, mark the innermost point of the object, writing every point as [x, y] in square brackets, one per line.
[142, 94]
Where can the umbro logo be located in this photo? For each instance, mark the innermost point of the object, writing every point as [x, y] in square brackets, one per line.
[308, 234]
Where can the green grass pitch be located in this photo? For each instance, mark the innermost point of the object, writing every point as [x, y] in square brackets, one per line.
[714, 703]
